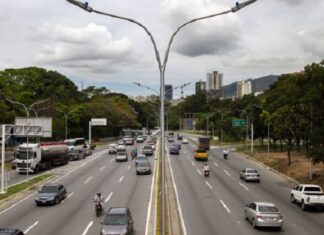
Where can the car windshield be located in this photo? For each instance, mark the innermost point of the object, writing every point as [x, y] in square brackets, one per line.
[201, 151]
[70, 143]
[49, 189]
[268, 209]
[115, 220]
[121, 153]
[252, 171]
[147, 147]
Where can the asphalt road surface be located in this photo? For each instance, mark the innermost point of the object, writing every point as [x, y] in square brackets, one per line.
[215, 205]
[117, 181]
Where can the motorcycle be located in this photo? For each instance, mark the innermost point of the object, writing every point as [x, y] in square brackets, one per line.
[99, 209]
[206, 173]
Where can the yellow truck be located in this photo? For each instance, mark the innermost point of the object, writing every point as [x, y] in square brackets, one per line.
[201, 154]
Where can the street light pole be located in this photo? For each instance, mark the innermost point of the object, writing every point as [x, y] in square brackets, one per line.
[162, 67]
[66, 119]
[27, 109]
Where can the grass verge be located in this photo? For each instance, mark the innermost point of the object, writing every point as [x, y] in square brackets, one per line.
[23, 186]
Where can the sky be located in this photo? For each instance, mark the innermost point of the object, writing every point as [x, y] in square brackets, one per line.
[267, 37]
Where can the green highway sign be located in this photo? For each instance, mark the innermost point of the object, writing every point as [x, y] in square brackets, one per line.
[238, 122]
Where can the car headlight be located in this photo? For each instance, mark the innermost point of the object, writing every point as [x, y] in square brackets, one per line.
[103, 232]
[50, 198]
[124, 232]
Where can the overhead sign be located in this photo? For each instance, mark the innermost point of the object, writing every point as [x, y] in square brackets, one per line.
[99, 122]
[34, 126]
[238, 122]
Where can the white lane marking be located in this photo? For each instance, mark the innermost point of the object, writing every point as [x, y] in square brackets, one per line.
[148, 217]
[188, 157]
[184, 229]
[31, 227]
[128, 167]
[121, 178]
[208, 184]
[215, 164]
[244, 186]
[13, 205]
[224, 205]
[112, 160]
[184, 152]
[226, 172]
[193, 163]
[102, 168]
[108, 198]
[199, 172]
[87, 228]
[70, 195]
[90, 178]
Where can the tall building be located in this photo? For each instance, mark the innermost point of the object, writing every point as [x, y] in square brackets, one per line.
[244, 88]
[200, 87]
[214, 84]
[168, 92]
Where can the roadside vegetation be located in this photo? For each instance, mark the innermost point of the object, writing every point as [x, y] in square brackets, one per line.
[24, 185]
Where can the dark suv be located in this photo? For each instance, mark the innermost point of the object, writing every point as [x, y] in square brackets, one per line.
[118, 220]
[50, 194]
[11, 232]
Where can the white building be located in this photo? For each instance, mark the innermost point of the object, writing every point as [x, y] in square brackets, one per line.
[244, 88]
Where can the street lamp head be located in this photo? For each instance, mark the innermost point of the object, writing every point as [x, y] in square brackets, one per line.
[239, 6]
[85, 6]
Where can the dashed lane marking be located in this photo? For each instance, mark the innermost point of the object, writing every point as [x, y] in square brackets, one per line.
[199, 172]
[90, 178]
[208, 184]
[227, 173]
[87, 228]
[70, 195]
[108, 198]
[224, 205]
[121, 179]
[102, 168]
[244, 186]
[31, 227]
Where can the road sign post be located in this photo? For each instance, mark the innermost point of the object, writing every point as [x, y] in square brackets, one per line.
[96, 122]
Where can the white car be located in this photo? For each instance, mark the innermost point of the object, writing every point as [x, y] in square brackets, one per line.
[250, 174]
[139, 139]
[121, 147]
[121, 156]
[184, 140]
[308, 195]
[112, 149]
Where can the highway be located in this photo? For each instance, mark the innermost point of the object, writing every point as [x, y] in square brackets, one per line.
[83, 179]
[215, 205]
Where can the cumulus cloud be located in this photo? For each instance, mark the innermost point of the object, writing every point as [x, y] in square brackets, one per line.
[207, 37]
[91, 47]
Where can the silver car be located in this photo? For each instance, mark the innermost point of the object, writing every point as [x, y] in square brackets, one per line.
[250, 174]
[263, 214]
[121, 156]
[143, 167]
[118, 220]
[140, 158]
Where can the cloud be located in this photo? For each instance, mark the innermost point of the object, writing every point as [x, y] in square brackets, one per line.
[312, 42]
[207, 37]
[91, 47]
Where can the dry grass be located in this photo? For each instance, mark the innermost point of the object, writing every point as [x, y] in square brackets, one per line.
[299, 168]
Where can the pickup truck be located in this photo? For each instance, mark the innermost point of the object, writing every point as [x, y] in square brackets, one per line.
[201, 154]
[308, 195]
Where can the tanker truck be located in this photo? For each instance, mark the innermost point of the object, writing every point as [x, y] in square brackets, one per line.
[35, 157]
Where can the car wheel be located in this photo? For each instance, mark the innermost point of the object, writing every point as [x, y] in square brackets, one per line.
[64, 197]
[254, 224]
[303, 206]
[292, 199]
[57, 200]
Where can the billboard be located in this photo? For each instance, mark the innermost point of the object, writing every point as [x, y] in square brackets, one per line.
[34, 126]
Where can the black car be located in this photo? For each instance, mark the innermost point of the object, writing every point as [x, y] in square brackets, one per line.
[118, 220]
[11, 232]
[50, 194]
[174, 149]
[178, 145]
[179, 137]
